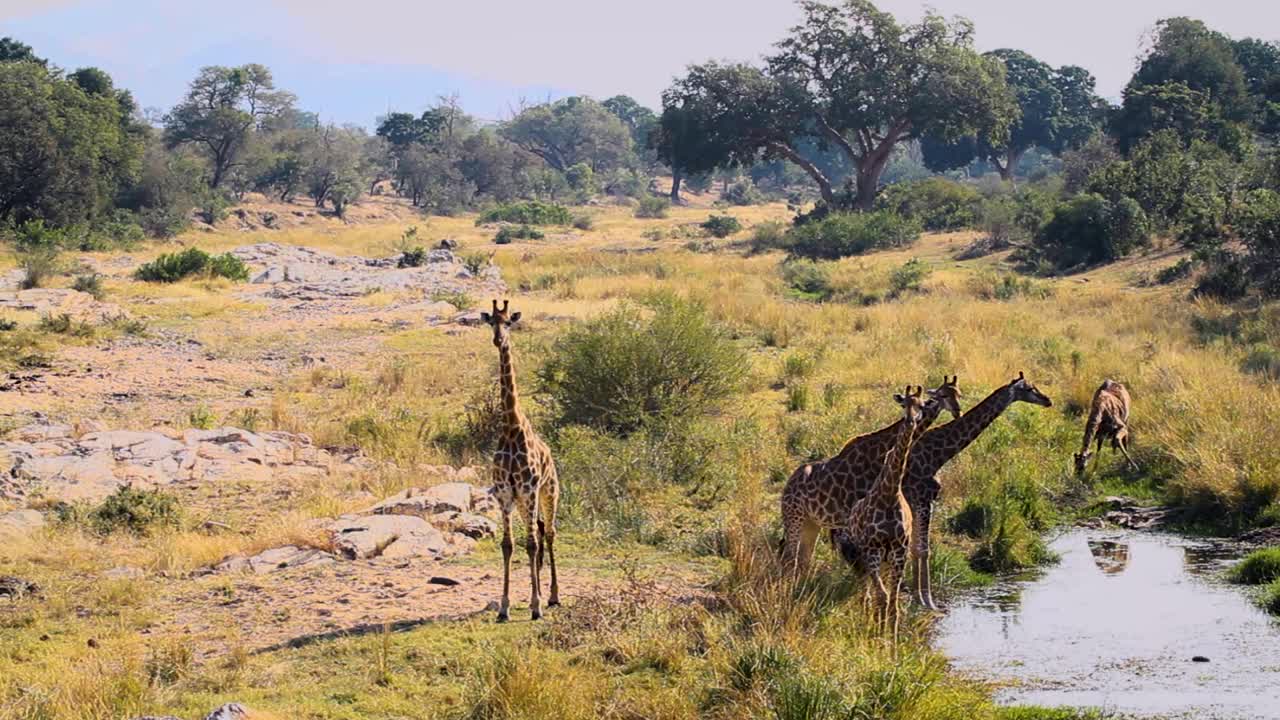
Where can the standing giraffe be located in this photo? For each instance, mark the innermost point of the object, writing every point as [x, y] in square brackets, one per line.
[820, 495]
[880, 523]
[934, 449]
[1108, 420]
[524, 476]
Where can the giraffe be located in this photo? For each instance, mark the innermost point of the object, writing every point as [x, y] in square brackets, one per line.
[524, 476]
[819, 495]
[880, 523]
[935, 448]
[1108, 420]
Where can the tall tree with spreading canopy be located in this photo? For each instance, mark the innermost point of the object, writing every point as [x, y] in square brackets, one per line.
[221, 109]
[851, 77]
[1058, 110]
[571, 131]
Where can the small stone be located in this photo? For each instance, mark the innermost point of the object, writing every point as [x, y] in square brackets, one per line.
[230, 711]
[447, 582]
[1200, 659]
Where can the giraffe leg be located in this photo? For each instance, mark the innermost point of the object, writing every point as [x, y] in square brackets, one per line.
[1122, 442]
[532, 544]
[920, 529]
[897, 566]
[504, 606]
[880, 595]
[549, 539]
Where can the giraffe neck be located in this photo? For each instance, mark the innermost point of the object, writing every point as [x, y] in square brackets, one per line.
[941, 444]
[852, 452]
[889, 483]
[510, 397]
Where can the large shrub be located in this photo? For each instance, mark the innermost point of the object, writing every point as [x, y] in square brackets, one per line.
[936, 203]
[652, 207]
[1090, 229]
[742, 192]
[1258, 225]
[841, 235]
[172, 267]
[532, 212]
[661, 360]
[721, 226]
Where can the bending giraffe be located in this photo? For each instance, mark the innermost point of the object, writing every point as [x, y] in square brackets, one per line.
[524, 476]
[820, 495]
[934, 449]
[880, 523]
[1108, 420]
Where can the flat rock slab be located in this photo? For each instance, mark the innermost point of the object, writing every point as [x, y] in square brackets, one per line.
[308, 274]
[281, 558]
[20, 522]
[50, 461]
[59, 301]
[388, 536]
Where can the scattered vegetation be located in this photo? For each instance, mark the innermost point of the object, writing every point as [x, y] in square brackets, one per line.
[192, 262]
[507, 233]
[651, 207]
[845, 234]
[1260, 567]
[721, 226]
[531, 212]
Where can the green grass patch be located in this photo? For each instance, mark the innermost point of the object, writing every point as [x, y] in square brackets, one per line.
[1257, 568]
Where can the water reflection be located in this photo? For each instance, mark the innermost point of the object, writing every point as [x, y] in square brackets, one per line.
[1110, 556]
[1115, 624]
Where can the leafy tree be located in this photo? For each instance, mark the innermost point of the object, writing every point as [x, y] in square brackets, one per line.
[571, 131]
[1058, 110]
[11, 50]
[850, 77]
[64, 153]
[221, 109]
[1188, 81]
[334, 165]
[1260, 62]
[639, 119]
[402, 129]
[685, 137]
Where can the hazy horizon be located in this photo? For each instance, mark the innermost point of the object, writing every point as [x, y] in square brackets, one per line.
[352, 66]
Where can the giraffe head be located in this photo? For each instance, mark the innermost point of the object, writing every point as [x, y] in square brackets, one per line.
[501, 321]
[912, 404]
[1024, 391]
[948, 395]
[1082, 459]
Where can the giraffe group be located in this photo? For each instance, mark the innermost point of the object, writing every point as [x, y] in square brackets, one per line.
[874, 497]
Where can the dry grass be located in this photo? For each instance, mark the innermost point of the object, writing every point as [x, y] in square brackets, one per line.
[1202, 430]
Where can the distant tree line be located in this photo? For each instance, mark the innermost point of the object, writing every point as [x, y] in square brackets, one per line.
[849, 102]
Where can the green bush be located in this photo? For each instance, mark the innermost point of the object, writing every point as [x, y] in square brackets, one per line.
[665, 359]
[652, 207]
[532, 212]
[1175, 272]
[413, 257]
[840, 235]
[936, 203]
[808, 280]
[1226, 276]
[1090, 229]
[135, 511]
[475, 263]
[768, 236]
[38, 248]
[1258, 226]
[908, 277]
[172, 267]
[211, 205]
[90, 284]
[1257, 568]
[507, 233]
[1263, 360]
[63, 324]
[742, 192]
[1270, 600]
[584, 222]
[721, 226]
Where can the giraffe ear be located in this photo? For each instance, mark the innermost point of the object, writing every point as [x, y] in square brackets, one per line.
[486, 317]
[515, 318]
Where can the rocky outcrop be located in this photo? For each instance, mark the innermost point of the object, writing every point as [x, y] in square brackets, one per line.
[439, 522]
[54, 462]
[20, 522]
[281, 558]
[308, 274]
[60, 301]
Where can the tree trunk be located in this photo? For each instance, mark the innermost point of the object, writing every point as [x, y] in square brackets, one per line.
[1011, 159]
[869, 173]
[824, 185]
[676, 177]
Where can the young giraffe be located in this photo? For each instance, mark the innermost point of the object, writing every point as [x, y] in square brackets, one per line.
[1108, 420]
[524, 476]
[880, 523]
[934, 449]
[819, 495]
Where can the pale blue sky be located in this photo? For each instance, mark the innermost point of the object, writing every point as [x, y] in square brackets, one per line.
[351, 61]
